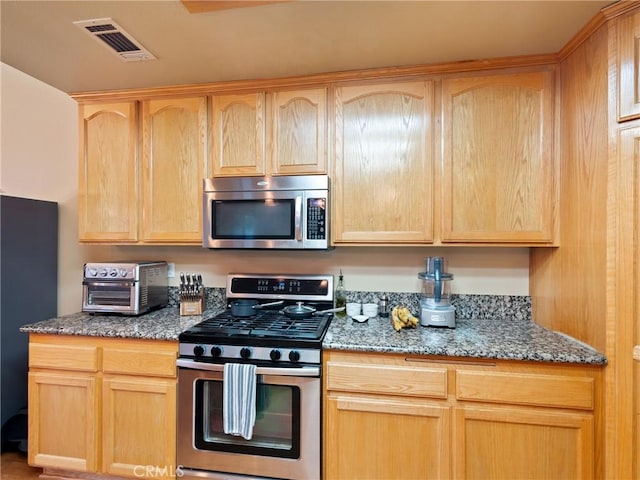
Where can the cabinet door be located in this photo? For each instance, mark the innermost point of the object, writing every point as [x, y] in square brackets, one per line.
[238, 134]
[174, 155]
[107, 189]
[382, 180]
[498, 443]
[385, 438]
[498, 178]
[299, 132]
[628, 66]
[64, 431]
[139, 422]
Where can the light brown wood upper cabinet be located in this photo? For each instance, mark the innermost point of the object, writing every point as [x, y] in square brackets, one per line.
[238, 134]
[498, 161]
[628, 43]
[174, 156]
[383, 175]
[298, 132]
[108, 189]
[277, 133]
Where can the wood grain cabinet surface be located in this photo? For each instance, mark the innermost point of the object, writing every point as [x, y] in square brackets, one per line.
[392, 416]
[174, 156]
[498, 157]
[108, 193]
[628, 65]
[275, 133]
[147, 197]
[95, 408]
[383, 172]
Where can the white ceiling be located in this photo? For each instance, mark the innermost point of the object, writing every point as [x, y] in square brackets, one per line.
[276, 40]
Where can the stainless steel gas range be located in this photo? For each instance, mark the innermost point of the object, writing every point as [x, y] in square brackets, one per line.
[275, 323]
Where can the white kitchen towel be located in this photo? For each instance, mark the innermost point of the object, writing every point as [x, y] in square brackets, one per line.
[239, 399]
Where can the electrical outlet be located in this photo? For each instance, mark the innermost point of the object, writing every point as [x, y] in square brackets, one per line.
[171, 270]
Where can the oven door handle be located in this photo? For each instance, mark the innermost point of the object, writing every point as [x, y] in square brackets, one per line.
[115, 283]
[276, 371]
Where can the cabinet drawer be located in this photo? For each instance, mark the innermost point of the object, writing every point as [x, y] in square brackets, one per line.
[137, 362]
[64, 357]
[525, 389]
[387, 379]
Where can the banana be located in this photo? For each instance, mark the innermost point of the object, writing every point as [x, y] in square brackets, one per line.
[401, 317]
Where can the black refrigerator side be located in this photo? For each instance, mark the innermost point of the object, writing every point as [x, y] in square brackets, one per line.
[29, 293]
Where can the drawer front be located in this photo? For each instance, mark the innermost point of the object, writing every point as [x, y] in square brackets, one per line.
[525, 389]
[137, 362]
[387, 379]
[63, 357]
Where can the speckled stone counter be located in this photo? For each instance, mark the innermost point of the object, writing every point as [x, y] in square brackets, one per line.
[512, 337]
[478, 338]
[162, 324]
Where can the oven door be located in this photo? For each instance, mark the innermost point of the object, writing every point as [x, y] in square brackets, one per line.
[286, 434]
[110, 296]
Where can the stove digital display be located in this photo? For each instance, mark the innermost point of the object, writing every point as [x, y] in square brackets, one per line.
[249, 286]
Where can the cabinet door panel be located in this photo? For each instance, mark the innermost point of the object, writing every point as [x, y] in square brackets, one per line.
[238, 134]
[628, 66]
[299, 137]
[498, 178]
[107, 189]
[494, 443]
[382, 439]
[174, 155]
[383, 164]
[139, 418]
[63, 424]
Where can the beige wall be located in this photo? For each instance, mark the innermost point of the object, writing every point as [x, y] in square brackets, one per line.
[39, 160]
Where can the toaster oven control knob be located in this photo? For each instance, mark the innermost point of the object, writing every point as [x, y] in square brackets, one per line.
[113, 272]
[103, 272]
[123, 272]
[294, 356]
[198, 350]
[216, 352]
[275, 355]
[93, 272]
[245, 352]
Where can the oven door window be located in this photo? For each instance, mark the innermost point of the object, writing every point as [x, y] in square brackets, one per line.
[276, 432]
[103, 293]
[254, 219]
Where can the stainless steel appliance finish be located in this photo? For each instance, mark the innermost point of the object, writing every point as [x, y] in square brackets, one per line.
[287, 354]
[125, 287]
[287, 212]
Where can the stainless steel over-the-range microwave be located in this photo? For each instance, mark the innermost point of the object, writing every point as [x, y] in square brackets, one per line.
[285, 212]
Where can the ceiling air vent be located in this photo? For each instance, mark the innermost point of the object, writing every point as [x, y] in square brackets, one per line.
[113, 36]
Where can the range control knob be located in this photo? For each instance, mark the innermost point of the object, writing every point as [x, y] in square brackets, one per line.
[245, 352]
[216, 352]
[103, 272]
[113, 272]
[198, 350]
[275, 355]
[123, 272]
[294, 356]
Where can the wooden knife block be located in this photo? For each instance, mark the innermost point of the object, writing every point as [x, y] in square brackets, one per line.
[190, 305]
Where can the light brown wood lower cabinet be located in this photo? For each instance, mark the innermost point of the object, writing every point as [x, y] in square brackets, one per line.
[392, 416]
[102, 406]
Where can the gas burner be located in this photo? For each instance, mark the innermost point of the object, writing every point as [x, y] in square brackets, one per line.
[269, 335]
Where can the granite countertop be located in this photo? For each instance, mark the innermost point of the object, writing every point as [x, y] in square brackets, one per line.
[506, 339]
[163, 324]
[503, 339]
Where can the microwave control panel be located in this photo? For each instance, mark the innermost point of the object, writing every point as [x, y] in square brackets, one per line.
[316, 218]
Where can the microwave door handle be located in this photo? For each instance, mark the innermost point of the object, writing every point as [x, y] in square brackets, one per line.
[298, 219]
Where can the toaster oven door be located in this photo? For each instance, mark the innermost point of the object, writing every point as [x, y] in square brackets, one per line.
[110, 297]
